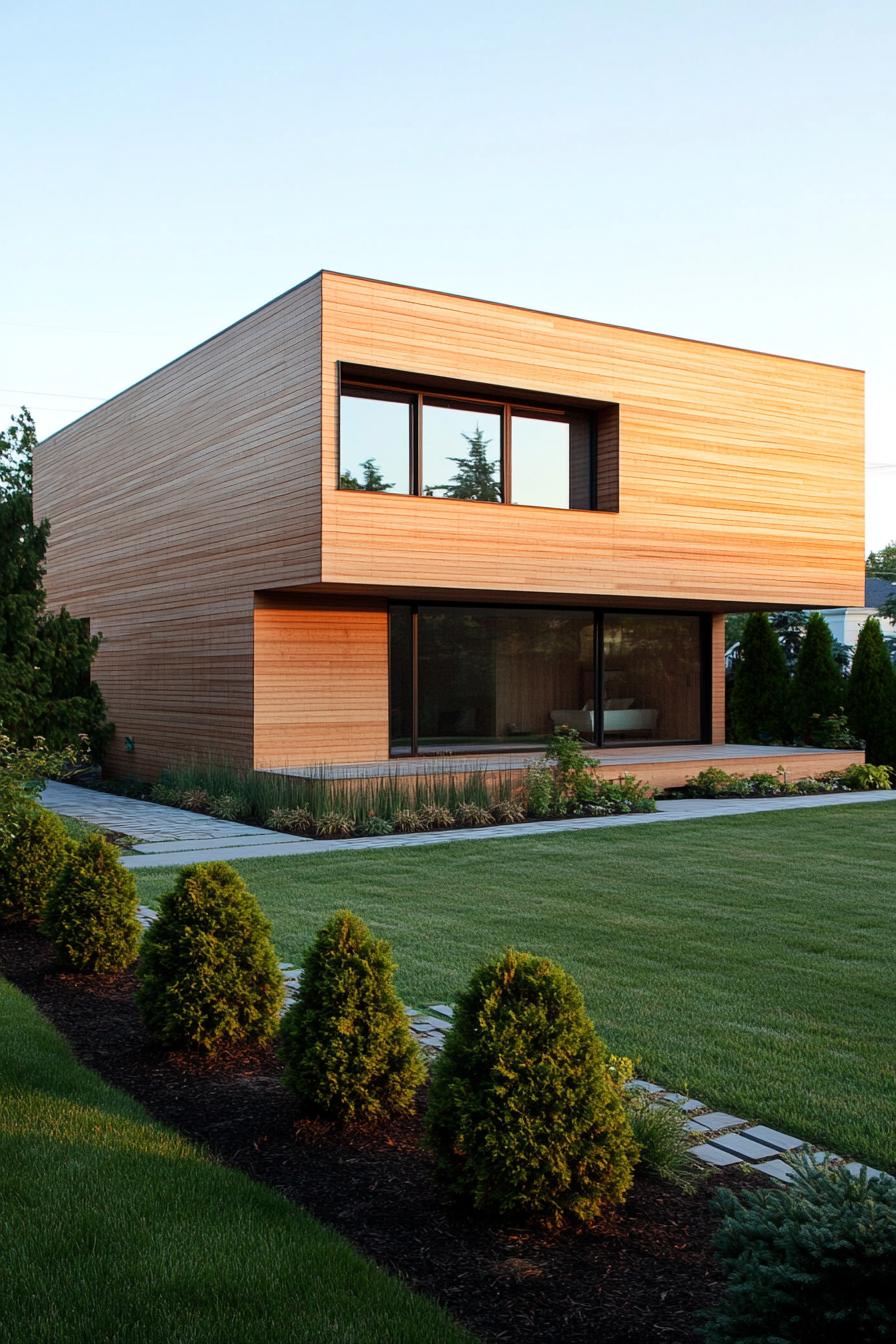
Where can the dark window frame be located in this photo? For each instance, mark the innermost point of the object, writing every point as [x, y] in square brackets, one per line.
[505, 402]
[598, 615]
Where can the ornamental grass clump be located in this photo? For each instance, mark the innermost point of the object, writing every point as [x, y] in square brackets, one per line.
[91, 914]
[31, 863]
[348, 1051]
[209, 976]
[808, 1262]
[524, 1117]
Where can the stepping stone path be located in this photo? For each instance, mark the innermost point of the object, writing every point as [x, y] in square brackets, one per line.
[720, 1139]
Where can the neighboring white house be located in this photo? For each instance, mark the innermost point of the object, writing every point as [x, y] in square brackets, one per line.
[846, 622]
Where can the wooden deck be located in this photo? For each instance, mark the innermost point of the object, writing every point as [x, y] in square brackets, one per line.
[660, 767]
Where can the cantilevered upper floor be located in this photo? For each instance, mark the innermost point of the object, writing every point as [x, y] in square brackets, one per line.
[355, 435]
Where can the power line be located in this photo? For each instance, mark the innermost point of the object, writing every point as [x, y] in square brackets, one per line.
[66, 396]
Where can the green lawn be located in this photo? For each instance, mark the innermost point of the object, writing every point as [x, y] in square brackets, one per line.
[749, 960]
[112, 1228]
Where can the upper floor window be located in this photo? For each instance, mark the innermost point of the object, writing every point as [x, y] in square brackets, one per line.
[422, 441]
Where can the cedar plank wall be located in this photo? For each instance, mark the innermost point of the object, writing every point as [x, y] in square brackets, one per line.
[169, 506]
[321, 680]
[741, 474]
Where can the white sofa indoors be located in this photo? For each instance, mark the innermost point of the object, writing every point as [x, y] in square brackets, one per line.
[616, 720]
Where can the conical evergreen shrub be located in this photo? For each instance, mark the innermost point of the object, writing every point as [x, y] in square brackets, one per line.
[871, 695]
[759, 691]
[348, 1050]
[91, 914]
[524, 1118]
[209, 975]
[31, 863]
[818, 688]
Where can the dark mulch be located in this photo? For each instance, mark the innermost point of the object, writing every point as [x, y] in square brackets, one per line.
[642, 1275]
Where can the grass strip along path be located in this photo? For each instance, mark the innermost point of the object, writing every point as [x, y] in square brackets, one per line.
[748, 960]
[114, 1228]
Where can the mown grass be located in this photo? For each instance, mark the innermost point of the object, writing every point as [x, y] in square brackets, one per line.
[749, 960]
[113, 1228]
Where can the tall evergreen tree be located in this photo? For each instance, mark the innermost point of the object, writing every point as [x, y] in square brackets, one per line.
[475, 477]
[871, 695]
[818, 688]
[45, 657]
[759, 693]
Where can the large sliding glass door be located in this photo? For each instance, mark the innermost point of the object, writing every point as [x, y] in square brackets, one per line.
[472, 678]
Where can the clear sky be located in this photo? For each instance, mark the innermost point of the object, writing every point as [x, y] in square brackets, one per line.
[717, 170]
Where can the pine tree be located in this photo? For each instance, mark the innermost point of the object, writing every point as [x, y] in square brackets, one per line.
[373, 478]
[871, 695]
[759, 693]
[818, 688]
[45, 658]
[475, 475]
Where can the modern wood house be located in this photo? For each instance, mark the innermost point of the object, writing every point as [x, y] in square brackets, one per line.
[370, 522]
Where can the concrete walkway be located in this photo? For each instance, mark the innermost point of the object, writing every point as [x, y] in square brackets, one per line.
[168, 836]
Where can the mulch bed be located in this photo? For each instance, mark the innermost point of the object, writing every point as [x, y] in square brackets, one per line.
[643, 1274]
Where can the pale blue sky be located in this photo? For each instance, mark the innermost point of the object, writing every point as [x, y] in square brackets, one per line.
[721, 171]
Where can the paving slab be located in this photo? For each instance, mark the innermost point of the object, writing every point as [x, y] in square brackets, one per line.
[773, 1138]
[747, 1149]
[781, 1171]
[715, 1157]
[721, 1120]
[858, 1167]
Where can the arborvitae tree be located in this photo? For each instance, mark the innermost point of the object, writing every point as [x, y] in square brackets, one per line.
[45, 658]
[348, 1050]
[91, 914]
[871, 695]
[759, 692]
[475, 477]
[524, 1117]
[209, 976]
[373, 478]
[818, 688]
[31, 862]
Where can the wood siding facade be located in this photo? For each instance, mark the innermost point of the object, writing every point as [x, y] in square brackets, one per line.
[196, 520]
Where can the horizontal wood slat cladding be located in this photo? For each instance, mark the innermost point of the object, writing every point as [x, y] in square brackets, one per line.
[321, 681]
[169, 505]
[741, 475]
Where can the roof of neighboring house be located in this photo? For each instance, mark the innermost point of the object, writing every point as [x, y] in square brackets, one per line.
[877, 591]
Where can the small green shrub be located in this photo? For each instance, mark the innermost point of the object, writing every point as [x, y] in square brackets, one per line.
[228, 807]
[809, 1262]
[166, 795]
[711, 783]
[31, 862]
[472, 814]
[334, 826]
[347, 1047]
[209, 976]
[405, 821]
[573, 771]
[664, 1144]
[867, 777]
[626, 794]
[434, 817]
[541, 791]
[832, 732]
[196, 800]
[507, 811]
[809, 786]
[292, 820]
[91, 914]
[763, 785]
[524, 1117]
[374, 826]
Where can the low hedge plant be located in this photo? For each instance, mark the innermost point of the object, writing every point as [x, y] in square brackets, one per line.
[31, 863]
[208, 974]
[346, 1044]
[91, 914]
[524, 1117]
